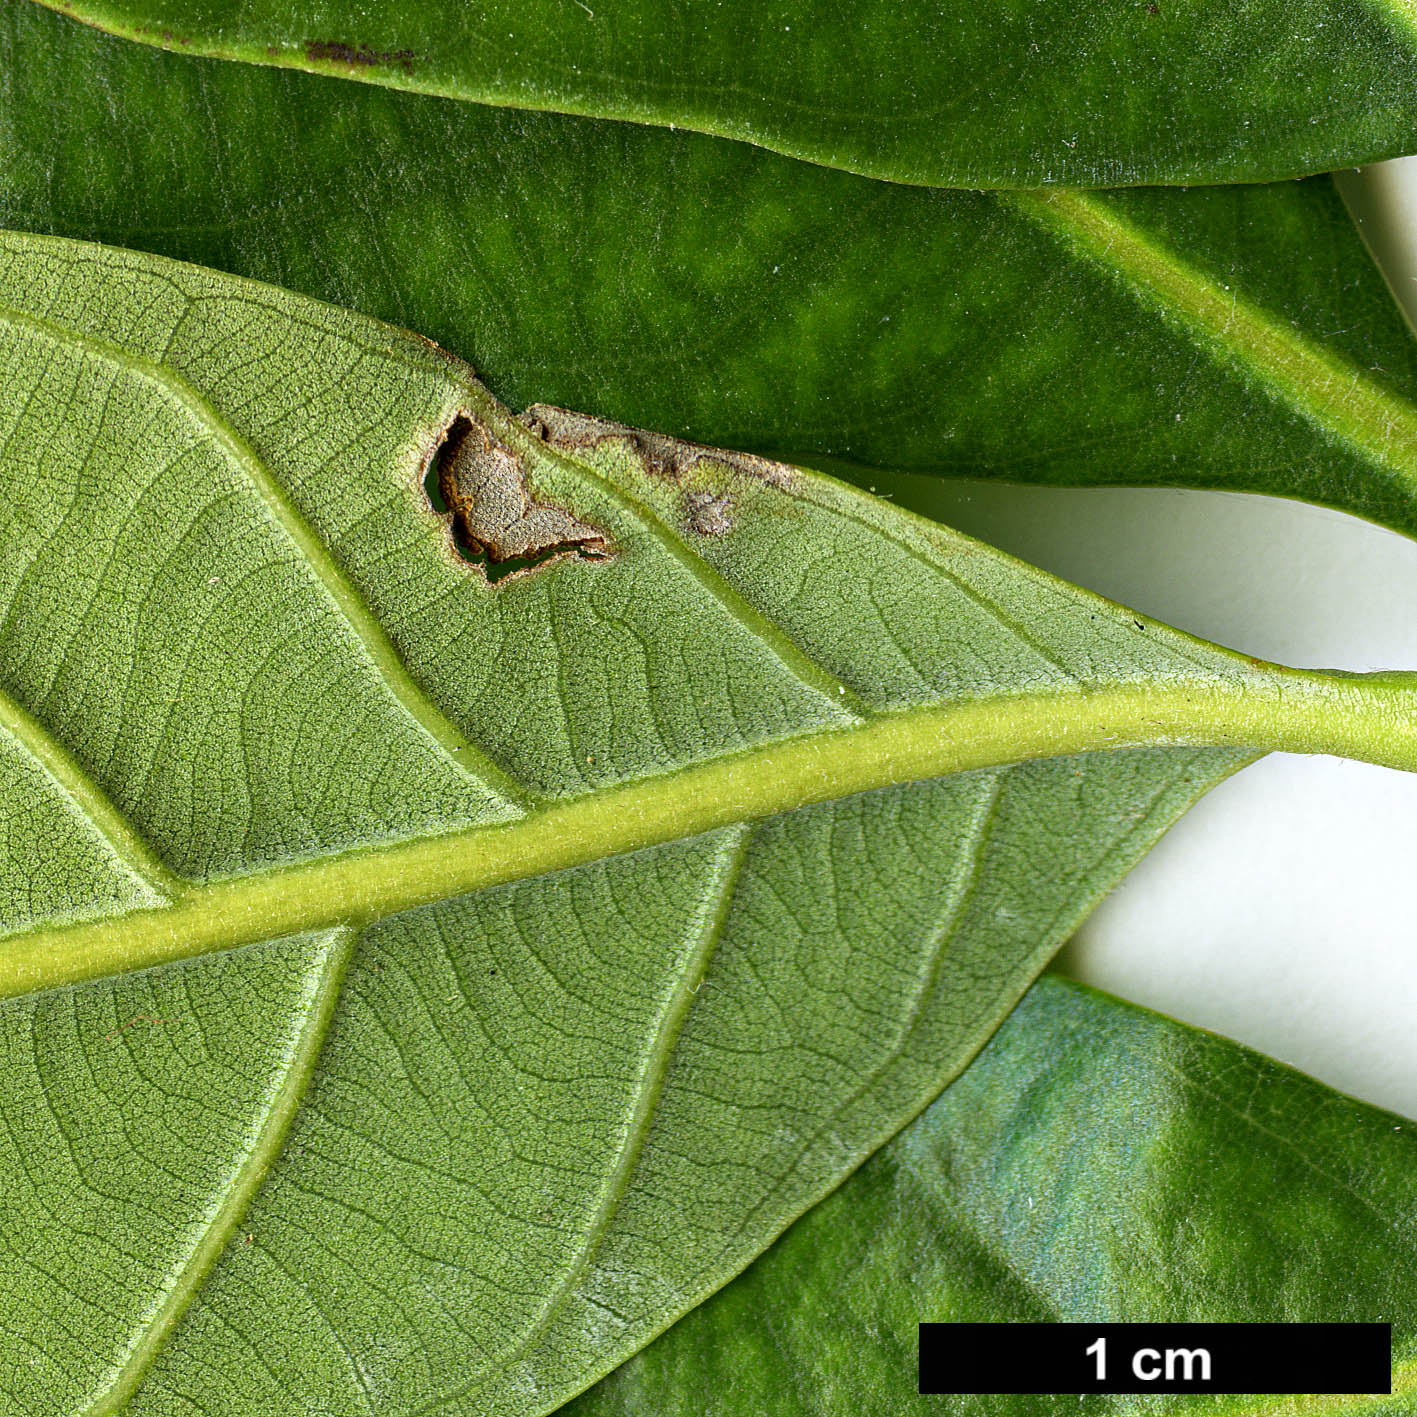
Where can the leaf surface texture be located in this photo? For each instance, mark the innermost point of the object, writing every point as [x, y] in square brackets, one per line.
[1002, 94]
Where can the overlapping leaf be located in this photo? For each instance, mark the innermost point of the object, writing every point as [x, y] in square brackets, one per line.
[422, 989]
[1001, 94]
[1235, 338]
[1096, 1163]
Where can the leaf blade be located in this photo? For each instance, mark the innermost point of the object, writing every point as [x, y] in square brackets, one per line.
[956, 97]
[523, 1110]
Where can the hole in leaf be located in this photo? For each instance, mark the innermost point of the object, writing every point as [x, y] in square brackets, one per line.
[431, 489]
[497, 524]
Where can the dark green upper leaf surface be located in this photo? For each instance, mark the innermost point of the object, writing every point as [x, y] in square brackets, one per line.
[1006, 93]
[1097, 1163]
[1229, 337]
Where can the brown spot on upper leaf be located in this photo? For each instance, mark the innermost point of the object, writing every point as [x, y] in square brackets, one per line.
[361, 56]
[495, 516]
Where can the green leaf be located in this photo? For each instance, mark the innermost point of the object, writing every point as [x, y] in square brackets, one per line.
[1096, 1163]
[440, 949]
[1227, 337]
[955, 95]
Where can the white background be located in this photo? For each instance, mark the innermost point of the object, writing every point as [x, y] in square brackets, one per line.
[1282, 910]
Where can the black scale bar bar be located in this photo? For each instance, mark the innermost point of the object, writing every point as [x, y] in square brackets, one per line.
[1066, 1358]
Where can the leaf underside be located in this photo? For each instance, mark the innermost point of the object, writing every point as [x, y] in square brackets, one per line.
[960, 95]
[1096, 1163]
[373, 1136]
[1225, 337]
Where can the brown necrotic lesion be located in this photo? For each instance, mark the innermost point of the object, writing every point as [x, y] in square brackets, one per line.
[672, 459]
[497, 523]
[707, 477]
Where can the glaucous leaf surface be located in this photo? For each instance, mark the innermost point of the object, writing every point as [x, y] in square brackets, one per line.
[423, 984]
[960, 94]
[1097, 1162]
[1226, 337]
